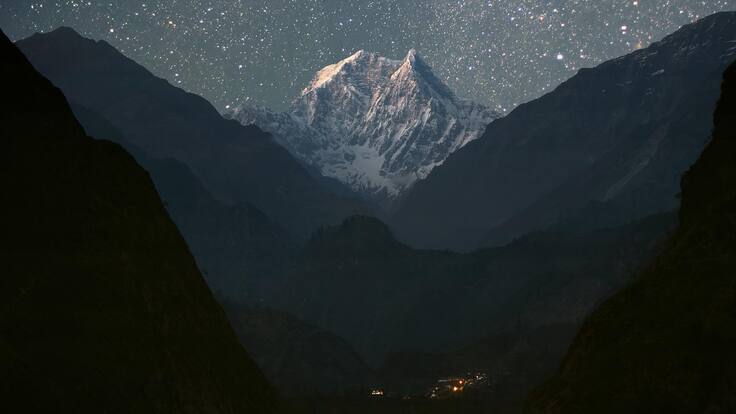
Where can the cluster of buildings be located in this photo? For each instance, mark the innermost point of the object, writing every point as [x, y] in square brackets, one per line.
[451, 387]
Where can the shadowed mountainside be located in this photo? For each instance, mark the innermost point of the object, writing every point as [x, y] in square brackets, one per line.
[606, 147]
[300, 359]
[666, 342]
[236, 246]
[236, 164]
[103, 307]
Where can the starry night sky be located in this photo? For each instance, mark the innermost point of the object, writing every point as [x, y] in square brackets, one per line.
[500, 53]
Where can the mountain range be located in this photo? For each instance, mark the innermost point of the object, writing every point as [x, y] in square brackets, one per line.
[383, 296]
[626, 115]
[236, 164]
[605, 147]
[375, 124]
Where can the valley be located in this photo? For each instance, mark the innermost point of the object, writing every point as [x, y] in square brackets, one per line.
[381, 245]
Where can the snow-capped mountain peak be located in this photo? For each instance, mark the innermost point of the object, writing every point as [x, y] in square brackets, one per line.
[329, 72]
[414, 69]
[374, 123]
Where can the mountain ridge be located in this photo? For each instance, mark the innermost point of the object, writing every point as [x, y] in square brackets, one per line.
[620, 134]
[236, 163]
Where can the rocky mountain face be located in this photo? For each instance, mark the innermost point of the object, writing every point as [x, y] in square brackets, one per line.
[605, 147]
[236, 164]
[665, 343]
[375, 124]
[103, 307]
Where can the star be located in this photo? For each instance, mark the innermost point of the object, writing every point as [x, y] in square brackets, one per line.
[266, 51]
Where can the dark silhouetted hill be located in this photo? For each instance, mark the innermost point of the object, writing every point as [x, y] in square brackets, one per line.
[103, 307]
[300, 359]
[666, 342]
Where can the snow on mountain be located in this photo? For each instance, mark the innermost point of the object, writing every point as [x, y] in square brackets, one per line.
[375, 124]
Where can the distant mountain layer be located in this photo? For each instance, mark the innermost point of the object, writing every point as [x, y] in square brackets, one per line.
[606, 147]
[376, 124]
[665, 343]
[358, 281]
[237, 247]
[236, 164]
[103, 307]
